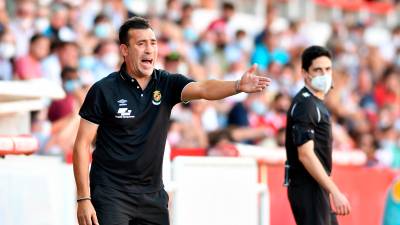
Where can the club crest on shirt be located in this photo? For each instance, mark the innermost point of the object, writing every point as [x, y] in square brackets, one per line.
[156, 97]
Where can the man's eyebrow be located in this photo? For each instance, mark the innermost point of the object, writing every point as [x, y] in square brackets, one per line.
[152, 40]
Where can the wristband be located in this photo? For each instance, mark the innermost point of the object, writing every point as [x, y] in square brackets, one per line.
[237, 86]
[83, 198]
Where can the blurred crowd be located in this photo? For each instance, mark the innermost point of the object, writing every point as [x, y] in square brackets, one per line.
[75, 43]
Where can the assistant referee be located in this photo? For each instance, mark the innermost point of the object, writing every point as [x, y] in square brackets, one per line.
[309, 146]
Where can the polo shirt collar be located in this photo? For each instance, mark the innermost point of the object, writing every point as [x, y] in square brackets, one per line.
[125, 76]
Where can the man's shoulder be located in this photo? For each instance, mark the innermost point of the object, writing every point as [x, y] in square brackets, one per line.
[303, 96]
[108, 80]
[164, 74]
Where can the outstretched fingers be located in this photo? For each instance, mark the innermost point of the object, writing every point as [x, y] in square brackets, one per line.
[252, 69]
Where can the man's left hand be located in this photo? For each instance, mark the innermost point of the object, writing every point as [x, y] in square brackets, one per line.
[250, 82]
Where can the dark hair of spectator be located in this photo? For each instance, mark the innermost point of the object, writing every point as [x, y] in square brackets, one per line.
[68, 70]
[101, 17]
[228, 6]
[312, 53]
[135, 22]
[390, 70]
[36, 37]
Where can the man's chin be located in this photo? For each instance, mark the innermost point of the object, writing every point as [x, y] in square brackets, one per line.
[147, 72]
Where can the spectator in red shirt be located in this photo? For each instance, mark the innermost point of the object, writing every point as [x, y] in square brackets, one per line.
[63, 113]
[28, 66]
[228, 10]
[387, 89]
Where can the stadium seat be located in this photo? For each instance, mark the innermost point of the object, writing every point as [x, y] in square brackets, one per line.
[18, 145]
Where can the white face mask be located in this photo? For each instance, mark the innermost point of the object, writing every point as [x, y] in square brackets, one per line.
[111, 59]
[7, 50]
[41, 24]
[322, 83]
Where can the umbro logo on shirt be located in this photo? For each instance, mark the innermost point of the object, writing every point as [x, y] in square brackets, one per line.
[122, 102]
[123, 112]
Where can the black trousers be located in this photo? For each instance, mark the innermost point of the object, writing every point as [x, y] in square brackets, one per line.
[310, 204]
[114, 207]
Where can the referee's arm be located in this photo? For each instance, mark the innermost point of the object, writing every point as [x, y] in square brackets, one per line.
[312, 164]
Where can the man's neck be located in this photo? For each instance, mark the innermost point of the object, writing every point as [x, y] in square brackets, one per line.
[318, 94]
[143, 80]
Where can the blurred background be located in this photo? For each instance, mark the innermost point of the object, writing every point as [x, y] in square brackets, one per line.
[52, 51]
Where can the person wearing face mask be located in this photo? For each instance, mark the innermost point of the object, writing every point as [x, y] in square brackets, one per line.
[7, 52]
[309, 146]
[106, 59]
[126, 116]
[63, 114]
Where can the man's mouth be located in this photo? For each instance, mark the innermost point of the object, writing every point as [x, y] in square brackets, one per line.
[147, 61]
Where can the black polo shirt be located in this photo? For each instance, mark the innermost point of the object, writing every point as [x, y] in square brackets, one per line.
[308, 119]
[133, 126]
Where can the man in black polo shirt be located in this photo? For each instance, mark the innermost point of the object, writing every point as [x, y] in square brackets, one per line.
[309, 146]
[127, 115]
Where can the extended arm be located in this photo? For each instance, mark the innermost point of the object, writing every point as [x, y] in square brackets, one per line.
[218, 89]
[312, 164]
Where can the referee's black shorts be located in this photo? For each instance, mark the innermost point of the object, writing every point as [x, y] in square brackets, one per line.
[310, 204]
[114, 207]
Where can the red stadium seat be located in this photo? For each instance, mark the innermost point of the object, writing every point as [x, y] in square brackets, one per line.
[18, 145]
[188, 152]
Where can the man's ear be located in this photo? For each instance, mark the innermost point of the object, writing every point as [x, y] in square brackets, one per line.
[305, 74]
[124, 50]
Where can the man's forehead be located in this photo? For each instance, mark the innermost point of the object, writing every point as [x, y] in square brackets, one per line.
[322, 61]
[141, 34]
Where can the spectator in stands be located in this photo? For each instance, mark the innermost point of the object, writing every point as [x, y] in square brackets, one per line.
[222, 143]
[63, 114]
[269, 51]
[103, 28]
[220, 24]
[29, 66]
[173, 12]
[367, 143]
[73, 88]
[4, 20]
[128, 112]
[7, 52]
[106, 59]
[58, 29]
[65, 54]
[250, 114]
[186, 22]
[22, 25]
[387, 90]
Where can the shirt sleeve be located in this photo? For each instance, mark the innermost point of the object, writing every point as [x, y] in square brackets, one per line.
[305, 118]
[177, 82]
[92, 107]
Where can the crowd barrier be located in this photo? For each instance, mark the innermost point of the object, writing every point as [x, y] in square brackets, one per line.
[38, 190]
[378, 7]
[218, 191]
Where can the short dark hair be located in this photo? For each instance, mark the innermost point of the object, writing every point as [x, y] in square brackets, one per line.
[228, 6]
[36, 37]
[66, 71]
[135, 22]
[311, 53]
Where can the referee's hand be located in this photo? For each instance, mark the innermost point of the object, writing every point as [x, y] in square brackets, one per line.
[341, 204]
[86, 213]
